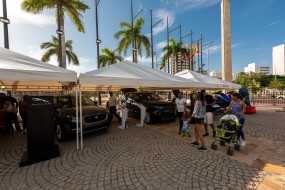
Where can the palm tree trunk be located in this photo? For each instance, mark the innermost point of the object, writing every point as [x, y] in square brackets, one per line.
[63, 53]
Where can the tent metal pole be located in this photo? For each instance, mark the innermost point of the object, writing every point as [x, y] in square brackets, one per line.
[80, 108]
[77, 116]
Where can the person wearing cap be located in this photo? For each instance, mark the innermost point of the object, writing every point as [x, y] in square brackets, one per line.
[208, 118]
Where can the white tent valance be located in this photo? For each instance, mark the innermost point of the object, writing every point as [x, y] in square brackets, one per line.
[127, 74]
[20, 72]
[207, 81]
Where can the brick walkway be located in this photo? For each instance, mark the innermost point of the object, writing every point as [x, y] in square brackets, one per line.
[136, 158]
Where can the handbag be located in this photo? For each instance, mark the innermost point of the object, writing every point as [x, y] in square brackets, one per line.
[192, 120]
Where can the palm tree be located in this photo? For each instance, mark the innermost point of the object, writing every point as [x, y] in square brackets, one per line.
[126, 38]
[109, 57]
[174, 49]
[73, 8]
[52, 49]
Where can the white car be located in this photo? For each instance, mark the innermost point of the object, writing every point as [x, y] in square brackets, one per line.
[280, 97]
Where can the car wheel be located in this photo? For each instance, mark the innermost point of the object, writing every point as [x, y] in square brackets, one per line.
[280, 98]
[60, 136]
[148, 118]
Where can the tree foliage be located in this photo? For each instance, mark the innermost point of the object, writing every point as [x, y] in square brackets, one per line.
[259, 81]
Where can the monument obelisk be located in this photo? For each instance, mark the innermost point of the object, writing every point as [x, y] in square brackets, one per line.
[226, 41]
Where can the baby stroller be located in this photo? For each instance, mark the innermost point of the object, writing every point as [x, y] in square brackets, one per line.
[226, 133]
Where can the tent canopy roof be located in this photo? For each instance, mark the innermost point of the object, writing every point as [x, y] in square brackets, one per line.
[132, 75]
[207, 81]
[20, 72]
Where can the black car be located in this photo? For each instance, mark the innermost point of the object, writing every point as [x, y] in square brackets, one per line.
[156, 109]
[94, 118]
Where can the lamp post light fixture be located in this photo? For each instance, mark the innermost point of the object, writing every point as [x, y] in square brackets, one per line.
[5, 21]
[151, 35]
[59, 32]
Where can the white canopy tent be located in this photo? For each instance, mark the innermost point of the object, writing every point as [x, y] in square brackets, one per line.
[207, 81]
[127, 74]
[19, 72]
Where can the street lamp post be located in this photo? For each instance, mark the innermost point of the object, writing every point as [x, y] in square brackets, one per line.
[208, 55]
[98, 41]
[134, 50]
[190, 49]
[60, 33]
[168, 32]
[151, 34]
[5, 21]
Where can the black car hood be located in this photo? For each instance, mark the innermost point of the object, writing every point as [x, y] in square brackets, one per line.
[157, 103]
[86, 110]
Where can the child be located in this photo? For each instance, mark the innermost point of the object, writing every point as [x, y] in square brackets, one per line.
[185, 128]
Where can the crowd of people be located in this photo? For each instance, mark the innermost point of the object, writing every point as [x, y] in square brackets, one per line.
[202, 115]
[13, 112]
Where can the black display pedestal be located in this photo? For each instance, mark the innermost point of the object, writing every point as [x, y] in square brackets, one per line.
[40, 131]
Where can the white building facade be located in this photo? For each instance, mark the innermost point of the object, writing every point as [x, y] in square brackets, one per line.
[255, 68]
[216, 74]
[278, 60]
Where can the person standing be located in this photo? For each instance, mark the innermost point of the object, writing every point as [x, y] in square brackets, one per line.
[113, 102]
[23, 111]
[208, 118]
[198, 119]
[237, 106]
[181, 109]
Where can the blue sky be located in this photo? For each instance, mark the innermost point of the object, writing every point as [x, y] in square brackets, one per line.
[257, 26]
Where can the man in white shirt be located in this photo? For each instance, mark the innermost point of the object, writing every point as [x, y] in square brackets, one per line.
[181, 109]
[113, 106]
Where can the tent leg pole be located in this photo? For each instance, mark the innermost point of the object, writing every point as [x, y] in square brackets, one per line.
[77, 126]
[81, 130]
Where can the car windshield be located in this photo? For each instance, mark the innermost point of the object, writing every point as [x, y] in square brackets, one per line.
[65, 102]
[148, 96]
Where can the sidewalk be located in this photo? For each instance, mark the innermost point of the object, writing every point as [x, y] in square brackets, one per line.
[263, 152]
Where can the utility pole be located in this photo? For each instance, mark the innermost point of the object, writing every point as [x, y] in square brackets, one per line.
[168, 32]
[190, 48]
[134, 50]
[5, 21]
[60, 33]
[201, 53]
[151, 34]
[208, 55]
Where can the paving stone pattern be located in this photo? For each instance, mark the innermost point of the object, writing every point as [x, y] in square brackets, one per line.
[266, 123]
[136, 158]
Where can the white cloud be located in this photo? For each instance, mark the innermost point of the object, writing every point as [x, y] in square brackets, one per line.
[161, 45]
[183, 5]
[238, 45]
[85, 65]
[162, 14]
[271, 24]
[18, 16]
[215, 49]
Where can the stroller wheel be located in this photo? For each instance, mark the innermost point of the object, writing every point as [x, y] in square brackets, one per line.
[222, 143]
[213, 146]
[237, 147]
[230, 152]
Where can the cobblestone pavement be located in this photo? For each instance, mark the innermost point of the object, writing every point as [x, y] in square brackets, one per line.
[135, 158]
[267, 123]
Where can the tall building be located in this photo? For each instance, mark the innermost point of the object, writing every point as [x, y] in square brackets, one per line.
[235, 75]
[180, 64]
[226, 41]
[216, 74]
[253, 67]
[278, 60]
